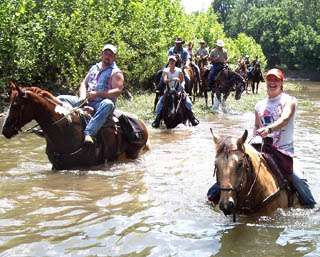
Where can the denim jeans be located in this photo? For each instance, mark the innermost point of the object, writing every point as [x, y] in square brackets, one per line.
[103, 110]
[214, 70]
[159, 107]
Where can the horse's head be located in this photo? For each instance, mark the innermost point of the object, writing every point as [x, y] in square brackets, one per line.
[239, 84]
[230, 168]
[20, 111]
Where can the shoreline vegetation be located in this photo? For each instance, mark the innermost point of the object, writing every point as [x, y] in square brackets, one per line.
[142, 103]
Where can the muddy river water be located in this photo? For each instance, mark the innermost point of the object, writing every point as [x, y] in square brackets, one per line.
[153, 206]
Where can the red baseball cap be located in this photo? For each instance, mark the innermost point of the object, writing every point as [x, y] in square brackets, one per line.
[275, 72]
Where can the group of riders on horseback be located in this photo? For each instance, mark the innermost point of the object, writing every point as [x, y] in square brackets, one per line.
[104, 83]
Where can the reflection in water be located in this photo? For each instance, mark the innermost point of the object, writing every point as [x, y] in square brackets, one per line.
[154, 206]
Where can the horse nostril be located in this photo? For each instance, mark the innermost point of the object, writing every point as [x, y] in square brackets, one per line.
[230, 205]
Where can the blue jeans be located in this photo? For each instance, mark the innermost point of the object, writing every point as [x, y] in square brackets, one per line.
[304, 194]
[103, 110]
[299, 184]
[187, 104]
[214, 70]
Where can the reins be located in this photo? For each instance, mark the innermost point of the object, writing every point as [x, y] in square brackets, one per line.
[31, 129]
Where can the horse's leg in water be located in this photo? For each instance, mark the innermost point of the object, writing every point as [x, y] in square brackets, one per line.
[205, 92]
[252, 86]
[156, 99]
[216, 101]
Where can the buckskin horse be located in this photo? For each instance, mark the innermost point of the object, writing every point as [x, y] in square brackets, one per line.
[254, 77]
[63, 130]
[174, 111]
[247, 184]
[227, 81]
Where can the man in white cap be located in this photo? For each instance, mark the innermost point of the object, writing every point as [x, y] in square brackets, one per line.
[101, 87]
[218, 57]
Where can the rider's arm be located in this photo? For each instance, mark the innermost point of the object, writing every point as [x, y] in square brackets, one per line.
[165, 78]
[117, 81]
[288, 111]
[83, 89]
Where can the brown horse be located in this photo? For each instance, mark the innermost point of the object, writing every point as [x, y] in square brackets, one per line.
[204, 72]
[247, 184]
[191, 83]
[254, 77]
[242, 70]
[63, 130]
[227, 81]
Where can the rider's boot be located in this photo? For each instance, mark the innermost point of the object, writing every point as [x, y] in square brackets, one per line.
[214, 194]
[156, 122]
[192, 119]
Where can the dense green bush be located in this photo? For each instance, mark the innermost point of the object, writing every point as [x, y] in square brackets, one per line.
[52, 43]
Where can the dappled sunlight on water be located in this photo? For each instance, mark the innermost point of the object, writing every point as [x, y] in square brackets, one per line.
[153, 206]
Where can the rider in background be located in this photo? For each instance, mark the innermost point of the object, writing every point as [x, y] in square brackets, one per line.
[202, 53]
[181, 55]
[274, 120]
[180, 51]
[172, 75]
[192, 60]
[218, 58]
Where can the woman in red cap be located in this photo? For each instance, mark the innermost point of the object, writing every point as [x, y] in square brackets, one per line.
[274, 122]
[274, 125]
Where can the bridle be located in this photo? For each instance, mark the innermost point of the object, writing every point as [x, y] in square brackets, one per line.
[246, 165]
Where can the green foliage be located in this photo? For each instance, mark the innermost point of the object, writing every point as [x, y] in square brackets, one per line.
[287, 30]
[53, 43]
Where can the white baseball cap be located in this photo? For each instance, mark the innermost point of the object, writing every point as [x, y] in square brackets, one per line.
[110, 47]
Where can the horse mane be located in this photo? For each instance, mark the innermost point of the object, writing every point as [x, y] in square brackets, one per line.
[226, 144]
[42, 93]
[234, 76]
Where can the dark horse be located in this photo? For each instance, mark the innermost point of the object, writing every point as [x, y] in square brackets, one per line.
[226, 82]
[63, 130]
[174, 111]
[247, 184]
[254, 77]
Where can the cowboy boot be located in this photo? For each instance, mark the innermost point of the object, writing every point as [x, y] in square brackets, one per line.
[156, 122]
[191, 118]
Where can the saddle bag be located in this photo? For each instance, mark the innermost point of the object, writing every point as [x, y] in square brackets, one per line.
[132, 131]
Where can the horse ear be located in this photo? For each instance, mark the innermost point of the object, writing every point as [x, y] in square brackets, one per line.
[242, 139]
[215, 138]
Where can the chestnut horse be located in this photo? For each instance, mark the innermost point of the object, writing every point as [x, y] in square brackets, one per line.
[63, 130]
[247, 184]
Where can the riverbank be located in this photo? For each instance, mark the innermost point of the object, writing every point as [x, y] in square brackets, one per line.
[142, 103]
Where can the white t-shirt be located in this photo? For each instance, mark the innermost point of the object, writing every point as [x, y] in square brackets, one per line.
[269, 110]
[172, 75]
